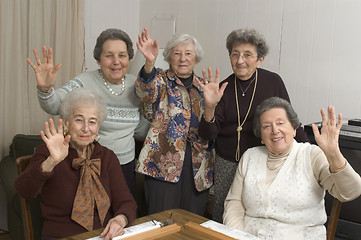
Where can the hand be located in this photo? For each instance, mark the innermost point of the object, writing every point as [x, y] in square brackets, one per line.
[148, 48]
[200, 146]
[45, 72]
[115, 227]
[327, 140]
[212, 92]
[58, 146]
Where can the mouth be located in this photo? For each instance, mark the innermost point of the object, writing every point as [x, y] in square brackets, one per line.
[116, 69]
[85, 137]
[277, 139]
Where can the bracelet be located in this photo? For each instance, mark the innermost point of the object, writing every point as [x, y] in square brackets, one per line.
[212, 120]
[339, 168]
[48, 91]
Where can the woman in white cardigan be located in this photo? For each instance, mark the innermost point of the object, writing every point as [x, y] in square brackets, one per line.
[278, 190]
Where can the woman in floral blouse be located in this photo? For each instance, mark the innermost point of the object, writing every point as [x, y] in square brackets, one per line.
[177, 166]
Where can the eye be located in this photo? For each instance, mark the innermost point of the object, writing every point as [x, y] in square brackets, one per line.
[266, 126]
[93, 122]
[78, 120]
[235, 55]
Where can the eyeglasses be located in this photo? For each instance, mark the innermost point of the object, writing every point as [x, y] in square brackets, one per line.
[244, 56]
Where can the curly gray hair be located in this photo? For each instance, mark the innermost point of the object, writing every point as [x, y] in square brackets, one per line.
[251, 36]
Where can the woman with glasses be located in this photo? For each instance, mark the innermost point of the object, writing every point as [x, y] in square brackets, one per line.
[228, 115]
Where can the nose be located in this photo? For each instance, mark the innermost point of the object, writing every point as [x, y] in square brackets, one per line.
[116, 60]
[275, 129]
[182, 57]
[85, 127]
[240, 59]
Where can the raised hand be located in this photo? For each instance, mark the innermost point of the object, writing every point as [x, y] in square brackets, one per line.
[148, 48]
[57, 144]
[327, 140]
[45, 72]
[212, 92]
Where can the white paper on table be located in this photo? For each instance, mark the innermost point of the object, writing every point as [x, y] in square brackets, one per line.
[133, 230]
[231, 232]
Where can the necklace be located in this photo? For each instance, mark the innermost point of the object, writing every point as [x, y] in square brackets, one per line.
[244, 92]
[278, 166]
[122, 85]
[240, 125]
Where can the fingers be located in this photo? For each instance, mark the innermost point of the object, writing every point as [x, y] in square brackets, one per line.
[30, 63]
[223, 87]
[50, 56]
[45, 54]
[315, 130]
[339, 124]
[52, 127]
[210, 74]
[205, 77]
[36, 55]
[217, 75]
[60, 126]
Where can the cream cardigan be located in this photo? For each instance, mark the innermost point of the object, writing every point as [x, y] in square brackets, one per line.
[290, 203]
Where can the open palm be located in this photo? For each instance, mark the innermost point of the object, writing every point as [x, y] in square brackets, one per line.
[45, 72]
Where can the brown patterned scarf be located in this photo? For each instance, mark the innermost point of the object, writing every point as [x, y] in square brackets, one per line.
[90, 189]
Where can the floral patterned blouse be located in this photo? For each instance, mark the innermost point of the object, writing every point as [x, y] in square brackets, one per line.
[174, 112]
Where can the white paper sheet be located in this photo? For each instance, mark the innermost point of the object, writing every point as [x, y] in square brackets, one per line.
[130, 231]
[231, 232]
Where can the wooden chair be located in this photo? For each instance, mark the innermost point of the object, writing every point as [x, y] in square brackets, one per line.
[22, 163]
[333, 219]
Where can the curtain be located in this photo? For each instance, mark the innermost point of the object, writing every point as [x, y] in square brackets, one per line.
[28, 24]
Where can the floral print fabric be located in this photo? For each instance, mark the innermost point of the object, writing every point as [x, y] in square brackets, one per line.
[174, 112]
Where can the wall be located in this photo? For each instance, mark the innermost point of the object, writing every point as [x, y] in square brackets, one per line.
[101, 15]
[313, 44]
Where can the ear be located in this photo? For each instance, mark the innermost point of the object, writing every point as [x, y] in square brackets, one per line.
[260, 61]
[65, 125]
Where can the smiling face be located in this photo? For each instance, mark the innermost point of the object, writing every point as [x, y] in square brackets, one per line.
[244, 60]
[183, 59]
[114, 61]
[82, 127]
[277, 132]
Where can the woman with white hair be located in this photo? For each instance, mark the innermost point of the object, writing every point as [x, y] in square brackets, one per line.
[177, 166]
[81, 182]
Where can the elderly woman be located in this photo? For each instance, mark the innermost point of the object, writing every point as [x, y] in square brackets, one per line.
[228, 116]
[72, 170]
[113, 51]
[278, 189]
[177, 167]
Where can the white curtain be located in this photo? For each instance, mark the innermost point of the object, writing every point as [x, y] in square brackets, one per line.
[24, 25]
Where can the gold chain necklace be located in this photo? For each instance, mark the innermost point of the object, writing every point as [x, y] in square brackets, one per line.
[279, 165]
[239, 128]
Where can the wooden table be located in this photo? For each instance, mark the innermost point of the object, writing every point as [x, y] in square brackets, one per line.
[186, 220]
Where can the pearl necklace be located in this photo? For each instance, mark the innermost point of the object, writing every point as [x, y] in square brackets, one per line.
[122, 85]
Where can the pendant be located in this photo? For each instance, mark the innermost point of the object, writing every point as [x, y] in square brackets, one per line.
[243, 94]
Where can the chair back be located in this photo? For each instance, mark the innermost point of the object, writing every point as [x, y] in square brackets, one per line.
[333, 219]
[22, 163]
